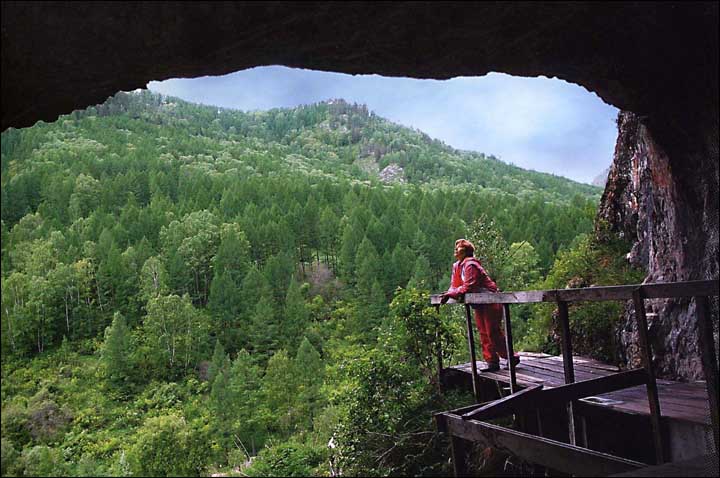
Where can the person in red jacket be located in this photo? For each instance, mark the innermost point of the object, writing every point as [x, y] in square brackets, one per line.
[468, 275]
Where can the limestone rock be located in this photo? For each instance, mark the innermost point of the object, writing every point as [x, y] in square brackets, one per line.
[392, 173]
[644, 204]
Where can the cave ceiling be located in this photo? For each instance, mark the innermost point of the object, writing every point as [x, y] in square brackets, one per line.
[659, 60]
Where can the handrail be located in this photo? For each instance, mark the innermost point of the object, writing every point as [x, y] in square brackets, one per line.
[667, 290]
[699, 290]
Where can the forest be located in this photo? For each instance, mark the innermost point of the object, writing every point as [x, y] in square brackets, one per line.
[189, 290]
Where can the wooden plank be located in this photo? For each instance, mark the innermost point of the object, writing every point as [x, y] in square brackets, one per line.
[504, 406]
[509, 348]
[542, 451]
[438, 352]
[465, 409]
[457, 449]
[557, 368]
[652, 392]
[667, 402]
[523, 297]
[587, 388]
[621, 292]
[556, 375]
[580, 370]
[503, 376]
[681, 289]
[568, 369]
[667, 394]
[706, 465]
[580, 361]
[473, 360]
[637, 408]
[709, 361]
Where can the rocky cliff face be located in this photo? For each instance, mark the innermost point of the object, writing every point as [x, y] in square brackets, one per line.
[643, 203]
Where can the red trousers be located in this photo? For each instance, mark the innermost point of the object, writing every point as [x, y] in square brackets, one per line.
[488, 319]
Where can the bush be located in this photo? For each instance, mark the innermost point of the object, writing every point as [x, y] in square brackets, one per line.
[42, 460]
[168, 446]
[8, 458]
[588, 262]
[288, 459]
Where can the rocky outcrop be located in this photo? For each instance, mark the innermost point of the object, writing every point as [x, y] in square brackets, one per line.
[601, 179]
[392, 173]
[644, 203]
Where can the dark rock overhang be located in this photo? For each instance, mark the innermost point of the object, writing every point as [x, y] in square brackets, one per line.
[652, 58]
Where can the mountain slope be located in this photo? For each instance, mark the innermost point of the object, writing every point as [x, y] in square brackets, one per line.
[332, 138]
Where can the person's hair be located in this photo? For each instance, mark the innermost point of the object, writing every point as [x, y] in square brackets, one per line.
[466, 245]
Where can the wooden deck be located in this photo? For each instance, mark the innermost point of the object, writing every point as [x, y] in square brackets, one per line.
[678, 401]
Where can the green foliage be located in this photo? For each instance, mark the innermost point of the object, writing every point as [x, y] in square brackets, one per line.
[218, 362]
[279, 389]
[42, 460]
[588, 262]
[289, 459]
[310, 375]
[168, 445]
[419, 331]
[9, 458]
[296, 317]
[115, 354]
[177, 331]
[167, 226]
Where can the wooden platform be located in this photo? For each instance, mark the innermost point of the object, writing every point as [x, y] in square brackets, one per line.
[678, 401]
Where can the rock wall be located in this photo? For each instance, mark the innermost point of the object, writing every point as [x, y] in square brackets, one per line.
[643, 202]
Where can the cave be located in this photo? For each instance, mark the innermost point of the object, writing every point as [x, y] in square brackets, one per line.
[658, 61]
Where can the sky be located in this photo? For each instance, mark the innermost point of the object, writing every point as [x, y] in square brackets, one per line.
[543, 124]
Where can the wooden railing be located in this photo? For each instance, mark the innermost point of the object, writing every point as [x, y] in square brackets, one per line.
[458, 422]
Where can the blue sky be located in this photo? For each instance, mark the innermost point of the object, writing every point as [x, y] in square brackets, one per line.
[543, 124]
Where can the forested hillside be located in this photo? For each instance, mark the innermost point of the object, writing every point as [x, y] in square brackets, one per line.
[188, 289]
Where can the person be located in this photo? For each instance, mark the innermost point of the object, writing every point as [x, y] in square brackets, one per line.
[468, 275]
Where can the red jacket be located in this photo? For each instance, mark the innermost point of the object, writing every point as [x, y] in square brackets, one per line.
[469, 276]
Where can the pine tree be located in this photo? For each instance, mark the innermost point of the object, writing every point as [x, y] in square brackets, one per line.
[296, 316]
[280, 394]
[116, 351]
[310, 376]
[422, 276]
[264, 331]
[369, 268]
[254, 287]
[244, 383]
[216, 363]
[233, 254]
[224, 305]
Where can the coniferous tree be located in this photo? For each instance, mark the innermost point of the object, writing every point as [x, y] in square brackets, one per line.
[369, 268]
[217, 362]
[280, 394]
[116, 351]
[422, 276]
[244, 383]
[296, 316]
[310, 374]
[224, 305]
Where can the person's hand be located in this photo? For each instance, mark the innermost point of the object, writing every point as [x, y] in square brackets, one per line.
[444, 298]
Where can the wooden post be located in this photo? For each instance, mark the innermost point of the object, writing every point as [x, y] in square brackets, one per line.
[709, 360]
[568, 365]
[457, 447]
[652, 391]
[509, 348]
[438, 352]
[471, 346]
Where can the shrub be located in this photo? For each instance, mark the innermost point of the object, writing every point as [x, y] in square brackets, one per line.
[288, 459]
